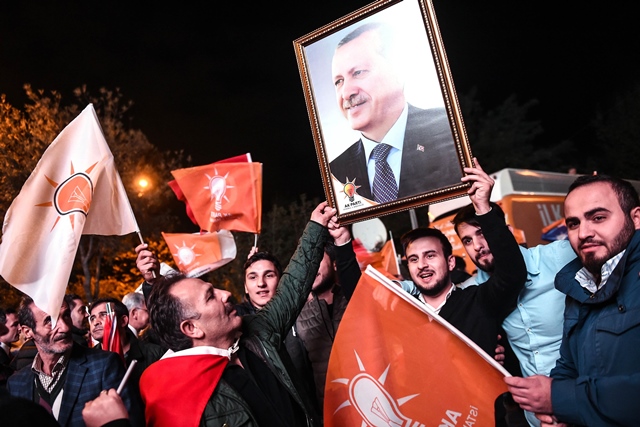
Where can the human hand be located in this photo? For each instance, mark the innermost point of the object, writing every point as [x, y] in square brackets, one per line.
[499, 356]
[147, 263]
[322, 214]
[107, 407]
[252, 252]
[549, 421]
[533, 393]
[481, 186]
[340, 234]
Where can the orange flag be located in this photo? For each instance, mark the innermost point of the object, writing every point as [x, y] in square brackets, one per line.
[197, 254]
[394, 364]
[224, 195]
[180, 195]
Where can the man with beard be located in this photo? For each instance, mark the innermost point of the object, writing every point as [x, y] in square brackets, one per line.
[534, 328]
[64, 376]
[225, 369]
[79, 315]
[477, 311]
[596, 380]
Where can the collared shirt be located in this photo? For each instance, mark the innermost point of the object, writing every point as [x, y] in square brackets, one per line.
[135, 332]
[50, 381]
[394, 138]
[534, 328]
[586, 279]
[438, 308]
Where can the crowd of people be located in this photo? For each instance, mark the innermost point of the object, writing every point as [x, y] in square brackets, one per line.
[568, 311]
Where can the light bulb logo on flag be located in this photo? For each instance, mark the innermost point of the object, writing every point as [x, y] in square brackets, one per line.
[373, 402]
[73, 195]
[185, 254]
[217, 188]
[350, 189]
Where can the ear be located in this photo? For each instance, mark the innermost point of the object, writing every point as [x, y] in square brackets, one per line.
[635, 217]
[123, 322]
[191, 330]
[246, 290]
[26, 331]
[452, 262]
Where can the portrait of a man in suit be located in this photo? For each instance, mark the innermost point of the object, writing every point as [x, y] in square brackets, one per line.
[403, 150]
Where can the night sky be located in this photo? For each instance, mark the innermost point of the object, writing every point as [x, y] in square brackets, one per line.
[221, 79]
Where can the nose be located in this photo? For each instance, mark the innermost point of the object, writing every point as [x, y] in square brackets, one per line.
[62, 325]
[223, 295]
[423, 262]
[478, 244]
[349, 88]
[584, 230]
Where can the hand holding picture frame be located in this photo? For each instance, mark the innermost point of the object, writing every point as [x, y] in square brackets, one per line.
[385, 118]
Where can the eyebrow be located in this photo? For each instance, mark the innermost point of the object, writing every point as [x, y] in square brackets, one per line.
[595, 211]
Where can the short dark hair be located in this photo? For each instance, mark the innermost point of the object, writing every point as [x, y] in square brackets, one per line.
[626, 193]
[330, 249]
[70, 300]
[263, 256]
[119, 307]
[25, 314]
[467, 215]
[166, 313]
[419, 233]
[3, 316]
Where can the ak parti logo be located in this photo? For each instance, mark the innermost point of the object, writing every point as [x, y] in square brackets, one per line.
[350, 189]
[73, 195]
[217, 187]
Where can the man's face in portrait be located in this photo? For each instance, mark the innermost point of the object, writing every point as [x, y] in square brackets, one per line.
[369, 93]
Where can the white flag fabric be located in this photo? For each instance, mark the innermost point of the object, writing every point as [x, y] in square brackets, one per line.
[75, 189]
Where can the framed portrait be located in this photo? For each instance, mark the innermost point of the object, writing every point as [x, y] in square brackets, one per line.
[386, 122]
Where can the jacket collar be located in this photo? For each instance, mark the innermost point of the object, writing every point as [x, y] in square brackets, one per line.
[567, 284]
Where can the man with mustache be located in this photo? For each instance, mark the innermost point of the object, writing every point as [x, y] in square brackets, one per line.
[596, 380]
[477, 311]
[224, 369]
[64, 376]
[534, 328]
[403, 150]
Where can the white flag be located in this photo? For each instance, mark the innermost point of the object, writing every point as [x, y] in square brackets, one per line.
[75, 189]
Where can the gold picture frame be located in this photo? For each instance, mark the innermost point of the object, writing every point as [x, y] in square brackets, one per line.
[380, 74]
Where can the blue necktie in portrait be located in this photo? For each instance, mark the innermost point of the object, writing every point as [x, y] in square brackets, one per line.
[385, 188]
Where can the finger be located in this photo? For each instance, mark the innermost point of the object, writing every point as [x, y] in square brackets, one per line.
[140, 247]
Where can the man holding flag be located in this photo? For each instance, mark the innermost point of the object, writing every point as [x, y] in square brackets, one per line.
[224, 368]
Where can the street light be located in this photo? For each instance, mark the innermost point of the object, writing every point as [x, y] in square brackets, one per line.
[143, 184]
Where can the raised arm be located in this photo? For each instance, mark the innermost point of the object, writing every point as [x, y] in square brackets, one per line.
[509, 275]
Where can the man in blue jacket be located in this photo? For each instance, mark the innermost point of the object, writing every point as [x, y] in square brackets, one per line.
[596, 381]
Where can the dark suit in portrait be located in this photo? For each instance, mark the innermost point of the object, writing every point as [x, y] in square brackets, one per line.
[429, 157]
[88, 372]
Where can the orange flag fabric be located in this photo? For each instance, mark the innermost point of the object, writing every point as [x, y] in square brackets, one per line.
[395, 363]
[224, 196]
[197, 254]
[74, 189]
[180, 195]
